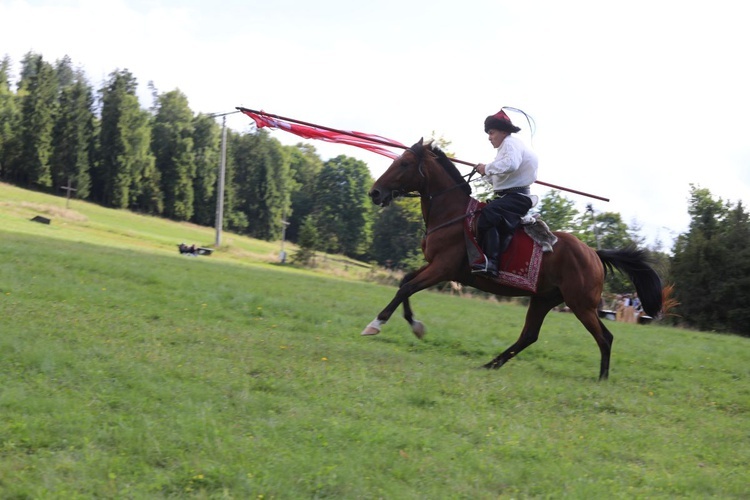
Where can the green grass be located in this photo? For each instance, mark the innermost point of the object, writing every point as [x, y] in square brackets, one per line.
[89, 223]
[128, 371]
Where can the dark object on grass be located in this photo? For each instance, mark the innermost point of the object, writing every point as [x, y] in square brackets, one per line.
[41, 220]
[193, 250]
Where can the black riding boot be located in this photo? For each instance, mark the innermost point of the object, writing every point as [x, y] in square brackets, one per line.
[505, 240]
[491, 248]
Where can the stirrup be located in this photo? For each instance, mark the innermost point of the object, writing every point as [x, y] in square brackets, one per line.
[484, 269]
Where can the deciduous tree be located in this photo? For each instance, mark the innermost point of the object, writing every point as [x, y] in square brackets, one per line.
[342, 207]
[304, 165]
[261, 179]
[397, 232]
[559, 212]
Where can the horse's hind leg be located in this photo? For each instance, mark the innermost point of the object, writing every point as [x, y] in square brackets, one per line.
[538, 309]
[604, 338]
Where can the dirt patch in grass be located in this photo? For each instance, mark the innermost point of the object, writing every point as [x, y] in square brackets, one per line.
[31, 209]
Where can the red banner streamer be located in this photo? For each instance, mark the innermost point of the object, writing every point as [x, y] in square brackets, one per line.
[369, 142]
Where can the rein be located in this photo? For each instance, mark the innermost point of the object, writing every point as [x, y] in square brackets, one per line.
[450, 222]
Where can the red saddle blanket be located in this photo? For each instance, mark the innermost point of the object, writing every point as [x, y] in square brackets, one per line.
[519, 265]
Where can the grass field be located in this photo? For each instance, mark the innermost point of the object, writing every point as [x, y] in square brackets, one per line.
[129, 371]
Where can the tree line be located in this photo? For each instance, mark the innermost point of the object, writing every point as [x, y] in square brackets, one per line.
[709, 265]
[56, 131]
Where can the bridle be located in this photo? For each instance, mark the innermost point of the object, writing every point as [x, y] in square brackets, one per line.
[400, 193]
[429, 197]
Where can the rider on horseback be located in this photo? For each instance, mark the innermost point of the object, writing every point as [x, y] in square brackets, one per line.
[511, 173]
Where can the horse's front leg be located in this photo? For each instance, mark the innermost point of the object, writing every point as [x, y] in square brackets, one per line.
[412, 283]
[416, 326]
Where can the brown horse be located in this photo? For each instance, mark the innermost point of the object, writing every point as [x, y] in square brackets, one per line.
[572, 273]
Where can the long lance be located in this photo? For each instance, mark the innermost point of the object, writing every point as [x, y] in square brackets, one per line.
[386, 142]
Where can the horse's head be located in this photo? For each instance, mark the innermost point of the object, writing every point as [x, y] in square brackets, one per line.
[405, 175]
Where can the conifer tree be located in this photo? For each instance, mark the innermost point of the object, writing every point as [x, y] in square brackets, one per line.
[65, 73]
[38, 109]
[172, 144]
[73, 137]
[9, 117]
[308, 242]
[207, 148]
[145, 192]
[711, 265]
[124, 145]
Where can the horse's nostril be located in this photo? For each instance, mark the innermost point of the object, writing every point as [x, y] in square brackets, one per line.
[374, 193]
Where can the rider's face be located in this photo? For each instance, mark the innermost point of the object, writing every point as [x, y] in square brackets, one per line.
[496, 137]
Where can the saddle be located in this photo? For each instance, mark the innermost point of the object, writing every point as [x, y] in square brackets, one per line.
[521, 263]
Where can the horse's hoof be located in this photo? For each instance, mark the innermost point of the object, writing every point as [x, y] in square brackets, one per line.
[418, 328]
[370, 331]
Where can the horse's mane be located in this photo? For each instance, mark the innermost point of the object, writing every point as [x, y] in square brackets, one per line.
[450, 168]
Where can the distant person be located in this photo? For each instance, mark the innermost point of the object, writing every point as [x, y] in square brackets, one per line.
[187, 249]
[620, 305]
[511, 173]
[630, 314]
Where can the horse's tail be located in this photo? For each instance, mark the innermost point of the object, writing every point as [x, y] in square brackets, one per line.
[633, 263]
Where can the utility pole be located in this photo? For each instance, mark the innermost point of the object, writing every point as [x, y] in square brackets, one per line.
[284, 224]
[222, 176]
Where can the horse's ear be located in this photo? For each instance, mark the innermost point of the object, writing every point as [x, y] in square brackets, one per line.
[418, 147]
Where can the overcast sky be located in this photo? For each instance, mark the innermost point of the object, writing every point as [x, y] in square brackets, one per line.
[633, 100]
